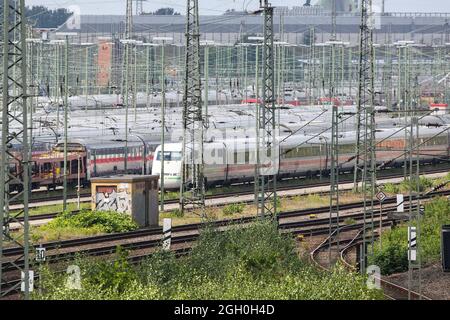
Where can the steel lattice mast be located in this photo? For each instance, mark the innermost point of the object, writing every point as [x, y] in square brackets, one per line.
[127, 74]
[334, 150]
[412, 129]
[266, 145]
[15, 144]
[129, 19]
[365, 131]
[333, 20]
[139, 7]
[192, 189]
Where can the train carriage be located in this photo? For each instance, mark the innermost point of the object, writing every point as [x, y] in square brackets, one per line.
[301, 155]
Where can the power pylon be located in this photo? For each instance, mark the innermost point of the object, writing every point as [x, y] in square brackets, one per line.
[312, 65]
[139, 7]
[365, 131]
[267, 159]
[333, 20]
[127, 72]
[15, 142]
[129, 19]
[414, 225]
[334, 153]
[192, 188]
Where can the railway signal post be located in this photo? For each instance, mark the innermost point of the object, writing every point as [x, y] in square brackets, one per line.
[14, 115]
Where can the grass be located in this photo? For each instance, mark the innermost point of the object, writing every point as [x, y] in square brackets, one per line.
[349, 221]
[241, 210]
[85, 223]
[233, 208]
[40, 234]
[55, 208]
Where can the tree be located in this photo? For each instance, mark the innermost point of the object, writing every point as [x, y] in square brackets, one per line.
[164, 12]
[43, 17]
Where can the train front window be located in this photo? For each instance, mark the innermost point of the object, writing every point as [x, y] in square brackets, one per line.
[34, 168]
[175, 156]
[169, 156]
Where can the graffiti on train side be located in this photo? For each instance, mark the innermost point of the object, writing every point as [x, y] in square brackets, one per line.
[113, 198]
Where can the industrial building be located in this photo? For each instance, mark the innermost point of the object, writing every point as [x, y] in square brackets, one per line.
[424, 28]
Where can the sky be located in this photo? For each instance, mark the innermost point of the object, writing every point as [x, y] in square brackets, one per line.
[213, 7]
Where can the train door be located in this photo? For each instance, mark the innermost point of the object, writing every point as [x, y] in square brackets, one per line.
[226, 164]
[94, 157]
[87, 165]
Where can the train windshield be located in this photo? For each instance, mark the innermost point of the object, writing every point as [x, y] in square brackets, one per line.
[170, 156]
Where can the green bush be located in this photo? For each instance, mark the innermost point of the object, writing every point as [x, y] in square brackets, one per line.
[233, 208]
[391, 188]
[408, 184]
[116, 274]
[393, 256]
[104, 221]
[252, 262]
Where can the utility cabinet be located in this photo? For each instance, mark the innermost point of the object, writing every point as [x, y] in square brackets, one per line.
[136, 195]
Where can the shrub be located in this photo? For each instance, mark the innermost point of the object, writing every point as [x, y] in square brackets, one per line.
[104, 221]
[408, 184]
[244, 262]
[233, 208]
[391, 188]
[393, 256]
[115, 275]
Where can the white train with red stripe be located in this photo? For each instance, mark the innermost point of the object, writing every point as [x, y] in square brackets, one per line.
[299, 155]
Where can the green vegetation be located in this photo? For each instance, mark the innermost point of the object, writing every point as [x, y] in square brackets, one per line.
[407, 185]
[175, 213]
[82, 224]
[349, 221]
[254, 262]
[233, 208]
[393, 257]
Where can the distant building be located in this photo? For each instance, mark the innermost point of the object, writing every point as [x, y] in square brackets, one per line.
[426, 28]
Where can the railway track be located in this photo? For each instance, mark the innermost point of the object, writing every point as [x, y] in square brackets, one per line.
[391, 290]
[302, 185]
[47, 216]
[133, 241]
[314, 227]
